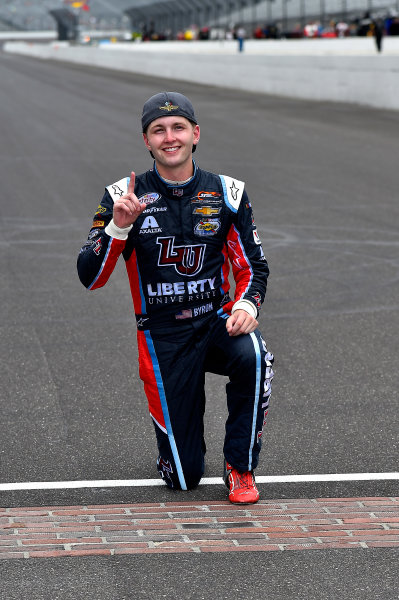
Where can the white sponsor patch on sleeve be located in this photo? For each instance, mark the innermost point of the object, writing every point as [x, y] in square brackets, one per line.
[256, 237]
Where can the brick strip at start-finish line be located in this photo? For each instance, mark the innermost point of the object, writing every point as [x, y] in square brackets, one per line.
[279, 525]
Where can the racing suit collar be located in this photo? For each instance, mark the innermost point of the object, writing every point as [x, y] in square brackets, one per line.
[176, 184]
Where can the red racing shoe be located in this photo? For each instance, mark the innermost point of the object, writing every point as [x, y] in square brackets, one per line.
[242, 486]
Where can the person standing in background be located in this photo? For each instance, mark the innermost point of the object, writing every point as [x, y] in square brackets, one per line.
[241, 35]
[378, 32]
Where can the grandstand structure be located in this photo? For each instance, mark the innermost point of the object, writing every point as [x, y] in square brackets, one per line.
[177, 15]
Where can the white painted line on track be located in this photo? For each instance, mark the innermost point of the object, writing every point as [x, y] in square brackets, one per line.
[110, 483]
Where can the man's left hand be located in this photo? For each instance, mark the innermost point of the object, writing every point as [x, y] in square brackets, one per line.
[241, 322]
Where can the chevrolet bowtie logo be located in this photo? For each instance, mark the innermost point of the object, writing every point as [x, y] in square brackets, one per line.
[168, 106]
[206, 211]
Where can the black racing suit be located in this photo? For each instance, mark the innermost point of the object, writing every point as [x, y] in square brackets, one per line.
[178, 255]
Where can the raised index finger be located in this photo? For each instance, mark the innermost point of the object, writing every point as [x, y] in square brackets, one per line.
[130, 187]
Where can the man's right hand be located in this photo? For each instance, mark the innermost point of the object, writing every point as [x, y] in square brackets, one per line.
[127, 208]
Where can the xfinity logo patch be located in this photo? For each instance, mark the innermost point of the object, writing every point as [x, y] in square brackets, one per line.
[149, 198]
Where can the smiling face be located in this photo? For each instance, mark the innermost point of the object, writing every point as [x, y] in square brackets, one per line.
[171, 140]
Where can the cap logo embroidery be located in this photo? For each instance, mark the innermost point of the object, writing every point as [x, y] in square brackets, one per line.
[168, 106]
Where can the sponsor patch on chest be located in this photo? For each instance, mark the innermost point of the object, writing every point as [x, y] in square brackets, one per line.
[207, 227]
[150, 225]
[149, 198]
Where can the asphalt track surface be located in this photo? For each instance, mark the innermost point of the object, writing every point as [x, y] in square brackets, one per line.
[323, 180]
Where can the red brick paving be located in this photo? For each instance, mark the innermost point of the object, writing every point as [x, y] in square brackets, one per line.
[171, 527]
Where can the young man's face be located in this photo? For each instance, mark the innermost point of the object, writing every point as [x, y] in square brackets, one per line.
[171, 140]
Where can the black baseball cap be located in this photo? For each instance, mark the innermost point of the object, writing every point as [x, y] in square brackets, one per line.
[167, 104]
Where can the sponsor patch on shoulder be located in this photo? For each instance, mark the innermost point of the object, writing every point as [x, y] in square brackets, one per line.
[98, 224]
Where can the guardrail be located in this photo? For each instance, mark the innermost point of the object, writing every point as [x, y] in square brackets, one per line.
[307, 69]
